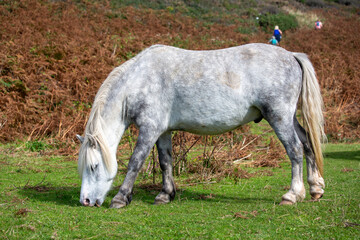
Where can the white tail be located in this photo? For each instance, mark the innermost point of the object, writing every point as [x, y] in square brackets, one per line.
[312, 108]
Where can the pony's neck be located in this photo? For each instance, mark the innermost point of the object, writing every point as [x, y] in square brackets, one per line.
[106, 107]
[105, 125]
[113, 131]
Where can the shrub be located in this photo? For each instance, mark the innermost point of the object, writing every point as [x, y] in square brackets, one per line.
[270, 9]
[284, 21]
[347, 2]
[315, 3]
[36, 146]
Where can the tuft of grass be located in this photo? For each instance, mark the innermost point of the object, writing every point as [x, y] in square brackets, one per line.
[37, 146]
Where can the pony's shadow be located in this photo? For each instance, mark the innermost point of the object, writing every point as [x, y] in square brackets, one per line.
[70, 195]
[344, 155]
[183, 194]
[46, 192]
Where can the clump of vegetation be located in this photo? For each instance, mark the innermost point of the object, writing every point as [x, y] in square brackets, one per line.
[315, 3]
[304, 18]
[286, 21]
[36, 146]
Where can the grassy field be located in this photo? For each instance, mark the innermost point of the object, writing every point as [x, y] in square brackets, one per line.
[39, 200]
[49, 75]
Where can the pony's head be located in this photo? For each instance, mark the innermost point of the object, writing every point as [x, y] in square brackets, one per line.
[96, 170]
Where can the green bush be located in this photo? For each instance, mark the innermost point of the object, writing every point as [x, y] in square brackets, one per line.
[315, 3]
[36, 146]
[284, 21]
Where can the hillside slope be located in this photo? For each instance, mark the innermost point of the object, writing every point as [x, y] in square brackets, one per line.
[55, 54]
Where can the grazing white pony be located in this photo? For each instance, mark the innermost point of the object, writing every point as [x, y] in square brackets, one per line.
[165, 88]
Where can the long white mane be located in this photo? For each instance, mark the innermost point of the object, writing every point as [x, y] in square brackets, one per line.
[94, 132]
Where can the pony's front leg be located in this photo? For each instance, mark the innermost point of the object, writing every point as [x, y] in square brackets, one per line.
[146, 141]
[167, 193]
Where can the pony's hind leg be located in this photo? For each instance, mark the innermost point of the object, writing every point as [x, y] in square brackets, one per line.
[314, 179]
[164, 147]
[146, 140]
[284, 129]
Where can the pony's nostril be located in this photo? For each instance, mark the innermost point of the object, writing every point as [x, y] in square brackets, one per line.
[86, 202]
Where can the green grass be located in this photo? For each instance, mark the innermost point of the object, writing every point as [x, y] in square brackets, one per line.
[39, 200]
[227, 12]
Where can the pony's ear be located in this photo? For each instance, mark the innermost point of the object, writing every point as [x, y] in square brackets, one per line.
[81, 139]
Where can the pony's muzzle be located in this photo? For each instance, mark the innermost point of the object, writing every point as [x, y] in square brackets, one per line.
[87, 203]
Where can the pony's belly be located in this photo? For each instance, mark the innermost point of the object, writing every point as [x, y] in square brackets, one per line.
[205, 129]
[217, 123]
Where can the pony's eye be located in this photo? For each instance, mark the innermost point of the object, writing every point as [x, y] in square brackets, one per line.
[93, 168]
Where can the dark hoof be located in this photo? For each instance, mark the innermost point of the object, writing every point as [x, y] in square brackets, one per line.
[162, 198]
[117, 204]
[119, 201]
[316, 196]
[160, 202]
